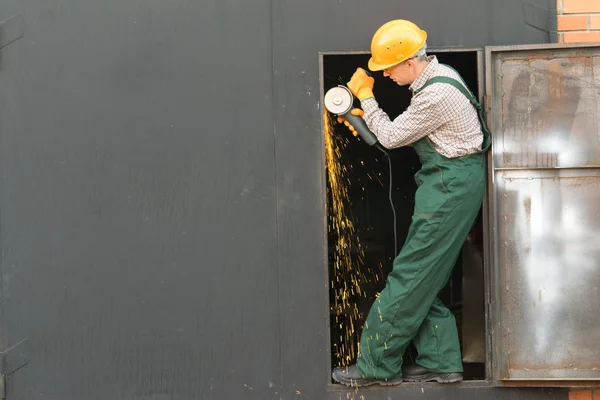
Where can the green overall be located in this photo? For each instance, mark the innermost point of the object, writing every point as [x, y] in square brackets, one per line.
[447, 201]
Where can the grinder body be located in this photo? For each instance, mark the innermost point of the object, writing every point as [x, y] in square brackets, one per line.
[338, 100]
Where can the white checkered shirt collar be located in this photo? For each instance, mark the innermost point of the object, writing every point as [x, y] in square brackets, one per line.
[427, 73]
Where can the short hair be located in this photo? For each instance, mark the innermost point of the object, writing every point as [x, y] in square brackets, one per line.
[422, 53]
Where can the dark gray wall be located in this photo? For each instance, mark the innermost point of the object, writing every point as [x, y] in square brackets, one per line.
[162, 194]
[138, 200]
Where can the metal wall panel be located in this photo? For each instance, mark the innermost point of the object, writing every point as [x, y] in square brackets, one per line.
[549, 109]
[138, 200]
[162, 197]
[549, 258]
[547, 190]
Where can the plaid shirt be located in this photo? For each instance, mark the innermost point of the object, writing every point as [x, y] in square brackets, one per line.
[440, 112]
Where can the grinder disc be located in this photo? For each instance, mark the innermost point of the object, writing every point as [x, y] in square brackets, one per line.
[338, 100]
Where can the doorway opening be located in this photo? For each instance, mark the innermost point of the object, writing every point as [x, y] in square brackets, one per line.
[361, 241]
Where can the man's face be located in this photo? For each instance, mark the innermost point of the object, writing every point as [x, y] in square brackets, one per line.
[403, 73]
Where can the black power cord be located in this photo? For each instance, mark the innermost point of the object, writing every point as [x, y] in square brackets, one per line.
[380, 148]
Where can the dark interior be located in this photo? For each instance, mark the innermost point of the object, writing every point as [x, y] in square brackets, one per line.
[368, 174]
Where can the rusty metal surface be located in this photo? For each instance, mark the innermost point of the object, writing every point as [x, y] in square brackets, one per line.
[547, 108]
[546, 177]
[549, 255]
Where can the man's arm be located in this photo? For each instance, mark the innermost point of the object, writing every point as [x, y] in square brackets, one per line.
[422, 117]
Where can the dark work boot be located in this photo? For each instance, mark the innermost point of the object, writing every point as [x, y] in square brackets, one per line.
[416, 373]
[350, 376]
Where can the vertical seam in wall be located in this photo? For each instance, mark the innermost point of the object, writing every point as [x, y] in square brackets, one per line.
[276, 188]
[553, 35]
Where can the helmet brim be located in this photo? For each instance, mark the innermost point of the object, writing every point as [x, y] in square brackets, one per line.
[373, 66]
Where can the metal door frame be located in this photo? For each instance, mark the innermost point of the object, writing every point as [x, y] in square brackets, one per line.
[487, 382]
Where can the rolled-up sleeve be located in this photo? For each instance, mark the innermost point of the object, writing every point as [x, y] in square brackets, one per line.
[423, 117]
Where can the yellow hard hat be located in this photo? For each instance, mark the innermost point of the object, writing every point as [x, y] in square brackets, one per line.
[394, 42]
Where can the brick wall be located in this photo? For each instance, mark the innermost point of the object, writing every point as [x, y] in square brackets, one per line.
[578, 21]
[581, 394]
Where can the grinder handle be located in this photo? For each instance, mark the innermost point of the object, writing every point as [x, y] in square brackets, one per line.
[361, 127]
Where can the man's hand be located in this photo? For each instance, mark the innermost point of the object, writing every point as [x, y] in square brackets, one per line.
[361, 84]
[355, 111]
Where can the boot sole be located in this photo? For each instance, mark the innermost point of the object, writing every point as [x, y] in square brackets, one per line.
[366, 382]
[451, 377]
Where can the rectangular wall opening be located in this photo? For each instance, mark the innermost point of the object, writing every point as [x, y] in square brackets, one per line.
[360, 240]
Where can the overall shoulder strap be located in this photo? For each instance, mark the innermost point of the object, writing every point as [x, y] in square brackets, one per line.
[467, 93]
[451, 81]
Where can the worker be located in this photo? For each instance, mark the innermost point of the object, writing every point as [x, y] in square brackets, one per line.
[444, 125]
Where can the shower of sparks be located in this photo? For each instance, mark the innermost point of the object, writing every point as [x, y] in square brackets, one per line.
[349, 274]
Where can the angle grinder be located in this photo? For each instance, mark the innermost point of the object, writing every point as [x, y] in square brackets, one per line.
[338, 101]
